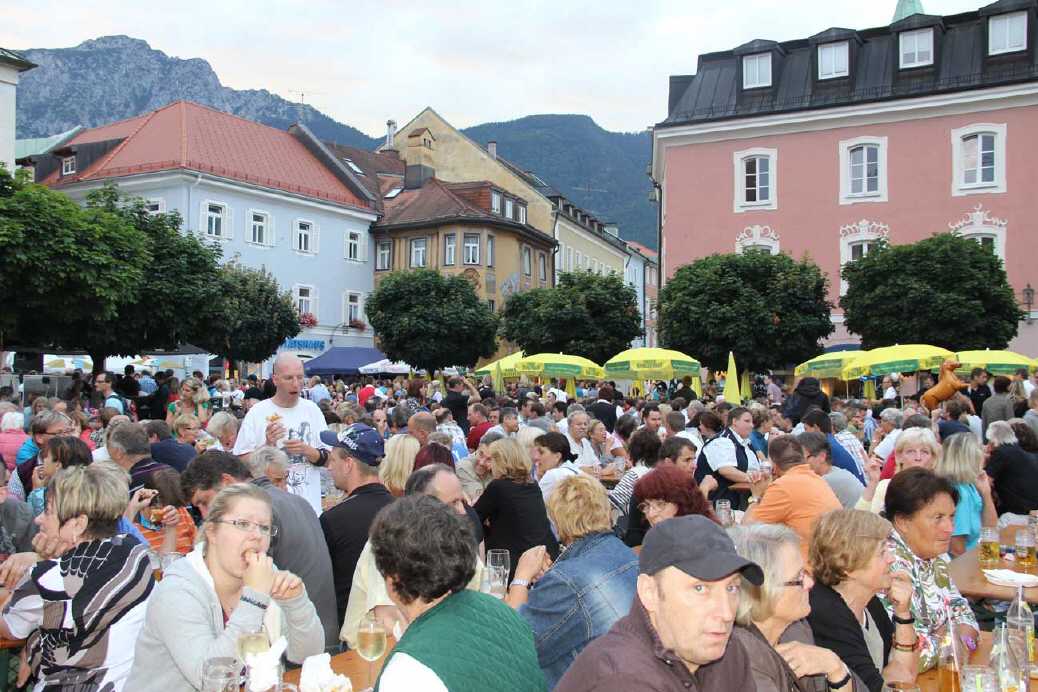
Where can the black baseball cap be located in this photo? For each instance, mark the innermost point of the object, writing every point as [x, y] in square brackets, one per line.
[697, 546]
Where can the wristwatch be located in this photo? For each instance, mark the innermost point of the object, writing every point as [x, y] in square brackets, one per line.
[521, 582]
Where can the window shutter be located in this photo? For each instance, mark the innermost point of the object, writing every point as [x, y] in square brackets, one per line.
[362, 245]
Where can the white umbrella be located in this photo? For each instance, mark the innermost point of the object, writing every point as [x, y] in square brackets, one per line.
[385, 366]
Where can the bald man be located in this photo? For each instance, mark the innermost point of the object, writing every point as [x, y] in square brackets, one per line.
[291, 423]
[421, 425]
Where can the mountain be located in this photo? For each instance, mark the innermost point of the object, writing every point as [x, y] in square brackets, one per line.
[115, 77]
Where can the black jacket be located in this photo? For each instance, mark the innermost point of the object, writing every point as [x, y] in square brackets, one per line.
[808, 393]
[835, 628]
[605, 411]
[1014, 478]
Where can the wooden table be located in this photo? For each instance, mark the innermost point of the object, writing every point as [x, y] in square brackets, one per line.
[352, 666]
[966, 573]
[927, 682]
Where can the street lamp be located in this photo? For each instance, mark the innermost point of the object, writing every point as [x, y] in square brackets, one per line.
[1029, 300]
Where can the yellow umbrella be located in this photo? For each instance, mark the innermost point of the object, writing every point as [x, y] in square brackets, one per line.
[507, 366]
[731, 382]
[870, 389]
[559, 365]
[571, 388]
[744, 384]
[826, 365]
[499, 380]
[651, 364]
[898, 358]
[995, 362]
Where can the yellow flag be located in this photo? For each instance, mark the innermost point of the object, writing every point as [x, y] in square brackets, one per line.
[731, 383]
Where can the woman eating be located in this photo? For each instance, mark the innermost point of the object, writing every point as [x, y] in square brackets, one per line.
[921, 506]
[962, 463]
[771, 618]
[665, 492]
[81, 609]
[226, 587]
[161, 514]
[193, 401]
[915, 447]
[851, 556]
[57, 453]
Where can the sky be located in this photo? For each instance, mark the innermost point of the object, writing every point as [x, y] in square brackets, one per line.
[364, 62]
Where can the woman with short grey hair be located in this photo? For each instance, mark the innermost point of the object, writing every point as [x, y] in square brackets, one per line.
[772, 618]
[270, 462]
[1013, 471]
[223, 427]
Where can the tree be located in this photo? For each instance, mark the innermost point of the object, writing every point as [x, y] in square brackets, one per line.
[945, 290]
[431, 321]
[252, 317]
[62, 264]
[770, 310]
[587, 314]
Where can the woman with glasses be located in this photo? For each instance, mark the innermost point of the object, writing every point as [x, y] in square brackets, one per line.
[194, 401]
[226, 587]
[665, 492]
[851, 556]
[772, 618]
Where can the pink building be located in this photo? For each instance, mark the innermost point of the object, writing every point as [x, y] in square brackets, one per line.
[821, 146]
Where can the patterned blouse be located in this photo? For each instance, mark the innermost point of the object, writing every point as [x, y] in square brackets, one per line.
[931, 587]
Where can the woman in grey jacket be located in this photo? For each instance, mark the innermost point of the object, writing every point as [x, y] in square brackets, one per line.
[226, 587]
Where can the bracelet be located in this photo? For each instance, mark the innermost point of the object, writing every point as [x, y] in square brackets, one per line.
[322, 457]
[898, 646]
[521, 582]
[253, 601]
[842, 683]
[910, 620]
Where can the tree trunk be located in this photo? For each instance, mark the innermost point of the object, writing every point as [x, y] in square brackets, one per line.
[98, 358]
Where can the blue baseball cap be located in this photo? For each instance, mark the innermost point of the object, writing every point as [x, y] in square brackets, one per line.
[362, 442]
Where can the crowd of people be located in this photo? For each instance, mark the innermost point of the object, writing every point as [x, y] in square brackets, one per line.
[520, 540]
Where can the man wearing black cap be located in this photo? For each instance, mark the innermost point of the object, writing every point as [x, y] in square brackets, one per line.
[356, 453]
[677, 635]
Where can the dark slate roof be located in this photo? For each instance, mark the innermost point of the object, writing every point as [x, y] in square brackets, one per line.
[15, 60]
[376, 169]
[961, 64]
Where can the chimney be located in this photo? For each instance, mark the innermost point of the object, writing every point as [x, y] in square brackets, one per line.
[492, 149]
[390, 134]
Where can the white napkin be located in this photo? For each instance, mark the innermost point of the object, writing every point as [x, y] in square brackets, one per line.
[318, 676]
[1007, 577]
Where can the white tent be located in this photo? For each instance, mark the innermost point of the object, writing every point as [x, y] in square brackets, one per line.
[385, 366]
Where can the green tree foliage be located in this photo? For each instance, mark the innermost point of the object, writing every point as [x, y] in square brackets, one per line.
[251, 319]
[945, 290]
[431, 321]
[770, 310]
[62, 263]
[586, 315]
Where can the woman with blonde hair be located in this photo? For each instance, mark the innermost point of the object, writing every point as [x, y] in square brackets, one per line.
[186, 429]
[585, 591]
[401, 451]
[962, 463]
[512, 505]
[915, 447]
[226, 587]
[194, 400]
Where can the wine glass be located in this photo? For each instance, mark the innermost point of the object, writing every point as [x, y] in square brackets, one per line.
[371, 643]
[499, 559]
[896, 686]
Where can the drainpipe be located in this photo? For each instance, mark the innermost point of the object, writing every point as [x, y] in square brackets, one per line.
[555, 250]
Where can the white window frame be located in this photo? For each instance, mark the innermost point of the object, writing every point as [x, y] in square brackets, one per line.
[752, 77]
[381, 265]
[560, 258]
[346, 306]
[1004, 23]
[863, 231]
[958, 136]
[311, 299]
[834, 50]
[226, 230]
[357, 247]
[569, 259]
[522, 213]
[979, 224]
[756, 237]
[509, 208]
[470, 253]
[450, 249]
[739, 203]
[495, 202]
[527, 261]
[909, 44]
[579, 260]
[312, 236]
[490, 251]
[268, 228]
[68, 165]
[542, 266]
[412, 246]
[158, 202]
[845, 147]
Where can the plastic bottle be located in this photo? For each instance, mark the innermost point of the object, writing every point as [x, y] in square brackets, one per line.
[1020, 623]
[1005, 663]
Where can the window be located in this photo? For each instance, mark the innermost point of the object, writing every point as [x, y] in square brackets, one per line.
[1007, 33]
[864, 161]
[756, 179]
[471, 248]
[580, 259]
[351, 310]
[450, 247]
[353, 246]
[495, 202]
[542, 267]
[522, 214]
[979, 225]
[508, 208]
[216, 220]
[393, 193]
[594, 266]
[492, 304]
[857, 240]
[353, 167]
[979, 159]
[384, 255]
[154, 206]
[756, 71]
[306, 237]
[527, 262]
[863, 170]
[490, 251]
[832, 60]
[260, 231]
[916, 48]
[569, 259]
[560, 257]
[306, 299]
[418, 247]
[68, 165]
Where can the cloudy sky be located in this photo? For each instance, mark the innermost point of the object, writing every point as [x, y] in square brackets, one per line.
[363, 62]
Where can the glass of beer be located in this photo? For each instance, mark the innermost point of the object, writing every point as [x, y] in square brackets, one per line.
[252, 643]
[371, 643]
[989, 547]
[1025, 559]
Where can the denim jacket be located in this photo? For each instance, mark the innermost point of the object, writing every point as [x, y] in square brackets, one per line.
[589, 587]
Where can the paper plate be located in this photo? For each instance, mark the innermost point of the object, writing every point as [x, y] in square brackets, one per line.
[1004, 577]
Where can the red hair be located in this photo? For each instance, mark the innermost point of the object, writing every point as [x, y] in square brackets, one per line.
[433, 453]
[669, 483]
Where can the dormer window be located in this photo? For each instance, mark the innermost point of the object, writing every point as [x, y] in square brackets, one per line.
[1007, 33]
[756, 71]
[495, 202]
[68, 165]
[916, 48]
[833, 61]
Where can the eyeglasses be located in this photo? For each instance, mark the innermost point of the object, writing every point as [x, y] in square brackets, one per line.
[799, 581]
[250, 526]
[651, 506]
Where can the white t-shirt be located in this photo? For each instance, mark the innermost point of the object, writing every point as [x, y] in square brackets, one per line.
[554, 476]
[404, 673]
[721, 453]
[890, 393]
[1028, 387]
[886, 447]
[305, 422]
[585, 452]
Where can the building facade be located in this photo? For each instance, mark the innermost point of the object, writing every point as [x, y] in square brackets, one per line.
[11, 66]
[271, 199]
[641, 275]
[822, 146]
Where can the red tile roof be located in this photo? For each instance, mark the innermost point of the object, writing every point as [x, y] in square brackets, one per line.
[186, 135]
[431, 202]
[651, 254]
